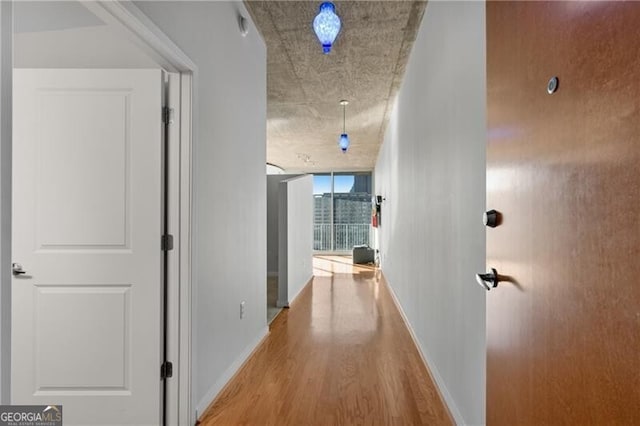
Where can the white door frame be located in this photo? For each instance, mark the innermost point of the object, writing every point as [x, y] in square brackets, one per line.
[125, 17]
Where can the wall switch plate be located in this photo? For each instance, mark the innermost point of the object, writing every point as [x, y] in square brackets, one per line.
[242, 309]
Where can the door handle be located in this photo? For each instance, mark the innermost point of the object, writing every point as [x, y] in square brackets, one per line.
[489, 280]
[492, 218]
[16, 269]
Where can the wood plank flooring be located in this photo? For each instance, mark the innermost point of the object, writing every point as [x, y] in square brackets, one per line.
[341, 355]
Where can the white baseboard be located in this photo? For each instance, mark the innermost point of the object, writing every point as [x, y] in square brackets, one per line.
[444, 392]
[213, 392]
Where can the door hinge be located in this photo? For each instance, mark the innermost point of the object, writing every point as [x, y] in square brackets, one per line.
[167, 115]
[167, 242]
[166, 370]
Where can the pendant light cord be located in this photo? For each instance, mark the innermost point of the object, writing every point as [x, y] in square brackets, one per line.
[344, 117]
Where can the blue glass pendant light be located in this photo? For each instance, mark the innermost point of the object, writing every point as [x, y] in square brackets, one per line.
[326, 25]
[344, 142]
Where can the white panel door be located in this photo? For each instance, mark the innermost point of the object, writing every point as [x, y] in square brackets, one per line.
[87, 222]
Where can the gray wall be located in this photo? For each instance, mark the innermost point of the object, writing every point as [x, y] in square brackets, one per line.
[290, 233]
[431, 170]
[273, 188]
[229, 181]
[297, 194]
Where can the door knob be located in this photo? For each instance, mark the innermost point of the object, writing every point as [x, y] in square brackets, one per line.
[488, 280]
[16, 269]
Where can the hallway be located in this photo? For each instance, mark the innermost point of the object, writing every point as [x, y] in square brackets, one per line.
[340, 355]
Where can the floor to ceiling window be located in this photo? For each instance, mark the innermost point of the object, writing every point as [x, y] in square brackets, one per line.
[342, 211]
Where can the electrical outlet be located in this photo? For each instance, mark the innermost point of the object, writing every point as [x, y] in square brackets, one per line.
[242, 309]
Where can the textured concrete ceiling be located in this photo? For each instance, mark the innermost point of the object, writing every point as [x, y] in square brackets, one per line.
[304, 86]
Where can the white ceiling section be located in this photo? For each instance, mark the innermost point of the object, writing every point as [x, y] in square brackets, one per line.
[36, 16]
[304, 86]
[65, 34]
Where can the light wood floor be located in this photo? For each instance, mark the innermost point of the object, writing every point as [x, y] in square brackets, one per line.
[341, 355]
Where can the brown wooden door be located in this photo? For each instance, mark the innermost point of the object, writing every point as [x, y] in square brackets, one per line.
[563, 336]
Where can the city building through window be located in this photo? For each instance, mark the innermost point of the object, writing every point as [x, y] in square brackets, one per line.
[342, 211]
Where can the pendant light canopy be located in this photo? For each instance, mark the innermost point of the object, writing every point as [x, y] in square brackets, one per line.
[344, 142]
[326, 25]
